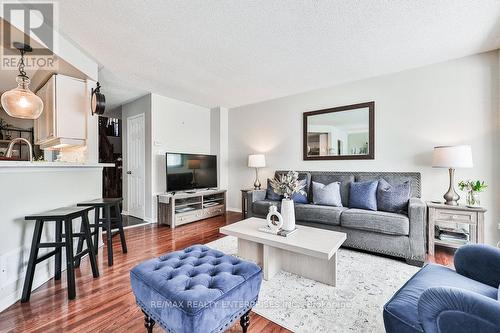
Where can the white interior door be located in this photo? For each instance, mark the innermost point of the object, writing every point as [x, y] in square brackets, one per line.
[135, 165]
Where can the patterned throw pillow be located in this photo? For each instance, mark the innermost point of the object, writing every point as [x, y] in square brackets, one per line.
[393, 198]
[327, 195]
[363, 195]
[270, 194]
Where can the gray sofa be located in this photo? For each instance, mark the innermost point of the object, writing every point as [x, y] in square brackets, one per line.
[397, 235]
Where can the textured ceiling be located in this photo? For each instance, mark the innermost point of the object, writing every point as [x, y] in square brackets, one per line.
[231, 53]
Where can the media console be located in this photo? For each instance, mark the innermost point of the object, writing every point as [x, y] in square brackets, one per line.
[182, 207]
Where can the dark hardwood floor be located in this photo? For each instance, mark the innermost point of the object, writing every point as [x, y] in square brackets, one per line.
[106, 304]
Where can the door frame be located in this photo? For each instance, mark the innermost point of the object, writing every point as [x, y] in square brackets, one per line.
[129, 212]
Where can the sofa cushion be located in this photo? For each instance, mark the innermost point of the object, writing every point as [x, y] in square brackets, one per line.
[363, 195]
[327, 178]
[319, 214]
[393, 197]
[402, 309]
[383, 222]
[261, 208]
[270, 194]
[328, 195]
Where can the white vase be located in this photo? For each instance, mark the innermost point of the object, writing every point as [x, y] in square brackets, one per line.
[288, 214]
[274, 219]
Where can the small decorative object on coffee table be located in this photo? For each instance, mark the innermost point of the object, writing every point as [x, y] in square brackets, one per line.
[287, 185]
[472, 188]
[454, 226]
[274, 219]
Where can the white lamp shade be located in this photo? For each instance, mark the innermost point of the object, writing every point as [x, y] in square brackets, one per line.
[256, 161]
[452, 157]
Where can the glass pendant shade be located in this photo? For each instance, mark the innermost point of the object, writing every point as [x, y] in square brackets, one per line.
[21, 102]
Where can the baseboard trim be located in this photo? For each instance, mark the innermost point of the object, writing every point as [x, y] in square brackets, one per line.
[231, 209]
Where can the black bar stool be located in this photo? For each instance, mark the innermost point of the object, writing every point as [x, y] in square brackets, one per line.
[60, 215]
[106, 222]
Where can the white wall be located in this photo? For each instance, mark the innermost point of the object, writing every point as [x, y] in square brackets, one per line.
[176, 127]
[34, 190]
[449, 103]
[141, 105]
[219, 118]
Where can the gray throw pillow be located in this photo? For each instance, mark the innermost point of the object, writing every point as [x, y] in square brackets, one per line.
[393, 198]
[327, 195]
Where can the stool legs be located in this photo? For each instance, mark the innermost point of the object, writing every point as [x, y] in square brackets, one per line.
[90, 247]
[68, 231]
[148, 322]
[96, 229]
[120, 228]
[58, 255]
[109, 235]
[30, 272]
[245, 321]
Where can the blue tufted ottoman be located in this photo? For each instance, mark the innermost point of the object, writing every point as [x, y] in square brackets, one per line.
[197, 289]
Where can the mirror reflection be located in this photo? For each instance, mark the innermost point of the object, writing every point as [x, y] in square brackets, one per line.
[338, 133]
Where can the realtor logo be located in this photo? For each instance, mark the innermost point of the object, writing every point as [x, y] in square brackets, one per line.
[30, 23]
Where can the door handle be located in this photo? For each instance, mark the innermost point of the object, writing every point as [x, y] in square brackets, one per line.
[129, 172]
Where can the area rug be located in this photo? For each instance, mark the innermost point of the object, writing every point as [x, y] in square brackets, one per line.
[365, 283]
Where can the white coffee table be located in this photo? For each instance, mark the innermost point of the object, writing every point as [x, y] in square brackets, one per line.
[309, 252]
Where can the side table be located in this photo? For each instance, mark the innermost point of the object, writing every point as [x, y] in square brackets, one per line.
[470, 220]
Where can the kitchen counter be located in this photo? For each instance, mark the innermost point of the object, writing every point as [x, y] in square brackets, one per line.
[27, 164]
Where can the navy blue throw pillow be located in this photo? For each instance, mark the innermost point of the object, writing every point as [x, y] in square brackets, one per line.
[299, 197]
[363, 195]
[393, 198]
[270, 194]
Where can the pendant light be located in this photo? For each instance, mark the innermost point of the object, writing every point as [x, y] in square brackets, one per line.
[21, 102]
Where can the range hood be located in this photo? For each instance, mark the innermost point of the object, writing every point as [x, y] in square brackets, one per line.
[59, 143]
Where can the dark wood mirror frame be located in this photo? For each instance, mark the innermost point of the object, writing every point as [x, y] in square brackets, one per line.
[371, 132]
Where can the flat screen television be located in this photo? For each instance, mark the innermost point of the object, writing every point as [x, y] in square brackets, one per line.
[190, 171]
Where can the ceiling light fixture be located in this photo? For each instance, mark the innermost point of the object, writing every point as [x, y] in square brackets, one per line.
[21, 102]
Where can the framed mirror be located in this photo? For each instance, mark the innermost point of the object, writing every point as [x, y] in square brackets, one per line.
[340, 133]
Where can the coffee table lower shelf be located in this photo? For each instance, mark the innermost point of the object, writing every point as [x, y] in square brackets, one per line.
[272, 260]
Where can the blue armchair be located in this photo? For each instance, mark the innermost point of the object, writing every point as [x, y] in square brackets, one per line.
[438, 299]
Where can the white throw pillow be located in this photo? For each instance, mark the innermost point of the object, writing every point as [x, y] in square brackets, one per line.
[327, 195]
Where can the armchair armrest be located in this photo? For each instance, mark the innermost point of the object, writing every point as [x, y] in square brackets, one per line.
[479, 262]
[453, 310]
[253, 196]
[417, 215]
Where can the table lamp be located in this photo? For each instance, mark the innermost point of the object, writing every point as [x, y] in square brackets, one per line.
[452, 157]
[256, 161]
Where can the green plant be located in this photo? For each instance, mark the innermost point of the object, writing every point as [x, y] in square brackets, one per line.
[472, 185]
[288, 184]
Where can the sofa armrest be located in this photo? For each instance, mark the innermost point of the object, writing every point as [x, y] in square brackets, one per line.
[253, 196]
[453, 310]
[417, 210]
[479, 262]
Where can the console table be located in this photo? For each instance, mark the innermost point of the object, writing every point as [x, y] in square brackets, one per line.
[185, 207]
[455, 217]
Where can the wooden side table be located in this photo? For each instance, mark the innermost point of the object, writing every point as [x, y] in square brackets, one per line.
[244, 202]
[454, 217]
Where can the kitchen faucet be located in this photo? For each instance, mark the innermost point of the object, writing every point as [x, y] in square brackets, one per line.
[11, 147]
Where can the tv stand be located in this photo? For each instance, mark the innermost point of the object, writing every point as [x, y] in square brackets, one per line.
[175, 209]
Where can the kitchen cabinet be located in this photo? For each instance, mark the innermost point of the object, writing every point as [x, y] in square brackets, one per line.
[63, 121]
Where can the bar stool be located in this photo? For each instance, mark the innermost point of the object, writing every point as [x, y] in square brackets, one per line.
[106, 222]
[60, 215]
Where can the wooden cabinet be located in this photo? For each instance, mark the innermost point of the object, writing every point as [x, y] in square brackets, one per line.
[181, 208]
[64, 116]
